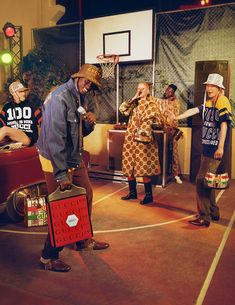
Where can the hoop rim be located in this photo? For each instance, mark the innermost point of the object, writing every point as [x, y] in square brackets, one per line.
[108, 58]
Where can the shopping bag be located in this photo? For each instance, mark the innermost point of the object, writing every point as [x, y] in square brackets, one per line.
[216, 181]
[35, 213]
[68, 217]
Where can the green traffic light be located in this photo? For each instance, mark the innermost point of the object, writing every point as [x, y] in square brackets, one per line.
[6, 58]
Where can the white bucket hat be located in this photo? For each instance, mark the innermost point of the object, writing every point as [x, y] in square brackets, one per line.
[215, 79]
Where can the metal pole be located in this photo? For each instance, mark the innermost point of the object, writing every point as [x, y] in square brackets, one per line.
[154, 51]
[80, 45]
[80, 10]
[16, 47]
[80, 31]
[117, 94]
[164, 160]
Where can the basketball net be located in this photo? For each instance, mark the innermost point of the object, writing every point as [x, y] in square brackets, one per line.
[107, 63]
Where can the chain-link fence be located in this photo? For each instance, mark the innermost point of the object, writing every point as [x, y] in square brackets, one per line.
[64, 42]
[181, 39]
[189, 36]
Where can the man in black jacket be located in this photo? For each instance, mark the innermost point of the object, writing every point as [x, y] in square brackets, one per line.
[60, 151]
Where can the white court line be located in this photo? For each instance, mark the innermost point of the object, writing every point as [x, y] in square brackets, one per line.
[109, 195]
[219, 195]
[44, 233]
[215, 262]
[146, 226]
[23, 232]
[115, 230]
[109, 231]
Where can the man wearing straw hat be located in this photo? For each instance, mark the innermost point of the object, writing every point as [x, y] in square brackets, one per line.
[216, 115]
[60, 150]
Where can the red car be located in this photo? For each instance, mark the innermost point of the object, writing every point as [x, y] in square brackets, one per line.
[20, 176]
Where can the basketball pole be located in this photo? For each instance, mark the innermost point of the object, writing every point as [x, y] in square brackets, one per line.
[80, 32]
[117, 94]
[80, 46]
[154, 52]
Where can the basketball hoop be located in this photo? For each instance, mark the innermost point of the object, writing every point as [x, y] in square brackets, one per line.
[108, 63]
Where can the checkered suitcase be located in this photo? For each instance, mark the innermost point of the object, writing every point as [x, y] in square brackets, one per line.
[68, 218]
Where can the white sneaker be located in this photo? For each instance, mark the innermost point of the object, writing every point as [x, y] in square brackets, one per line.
[11, 146]
[178, 180]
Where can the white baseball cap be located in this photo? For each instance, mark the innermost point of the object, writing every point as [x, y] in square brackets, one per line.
[17, 86]
[215, 79]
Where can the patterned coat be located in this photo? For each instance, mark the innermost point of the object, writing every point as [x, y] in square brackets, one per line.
[174, 107]
[140, 159]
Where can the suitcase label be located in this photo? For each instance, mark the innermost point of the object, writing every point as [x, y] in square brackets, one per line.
[72, 220]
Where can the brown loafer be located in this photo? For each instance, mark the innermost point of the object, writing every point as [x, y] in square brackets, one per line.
[199, 222]
[56, 265]
[91, 244]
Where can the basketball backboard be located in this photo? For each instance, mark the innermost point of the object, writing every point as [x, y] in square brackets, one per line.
[128, 35]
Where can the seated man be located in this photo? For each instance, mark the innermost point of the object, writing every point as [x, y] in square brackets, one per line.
[19, 118]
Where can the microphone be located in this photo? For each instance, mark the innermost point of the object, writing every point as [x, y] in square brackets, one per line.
[82, 111]
[139, 97]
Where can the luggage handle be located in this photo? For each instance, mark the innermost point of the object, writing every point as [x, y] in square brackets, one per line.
[72, 192]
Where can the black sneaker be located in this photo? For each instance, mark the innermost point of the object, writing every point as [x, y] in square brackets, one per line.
[147, 199]
[130, 196]
[215, 218]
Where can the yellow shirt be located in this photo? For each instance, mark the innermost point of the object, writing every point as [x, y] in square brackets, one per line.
[46, 164]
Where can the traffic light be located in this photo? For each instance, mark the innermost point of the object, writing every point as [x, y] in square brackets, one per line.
[6, 57]
[9, 30]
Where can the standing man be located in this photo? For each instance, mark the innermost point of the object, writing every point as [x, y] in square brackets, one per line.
[140, 151]
[173, 105]
[19, 119]
[59, 152]
[216, 115]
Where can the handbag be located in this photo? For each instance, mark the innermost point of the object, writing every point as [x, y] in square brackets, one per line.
[35, 211]
[143, 136]
[177, 133]
[216, 181]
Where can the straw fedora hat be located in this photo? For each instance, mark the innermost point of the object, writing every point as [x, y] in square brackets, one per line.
[215, 79]
[90, 72]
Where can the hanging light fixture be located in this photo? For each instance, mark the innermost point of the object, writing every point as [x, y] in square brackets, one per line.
[6, 57]
[9, 30]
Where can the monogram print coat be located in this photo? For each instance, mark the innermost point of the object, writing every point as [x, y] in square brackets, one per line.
[140, 159]
[174, 107]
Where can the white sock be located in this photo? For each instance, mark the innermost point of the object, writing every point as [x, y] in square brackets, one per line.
[45, 260]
